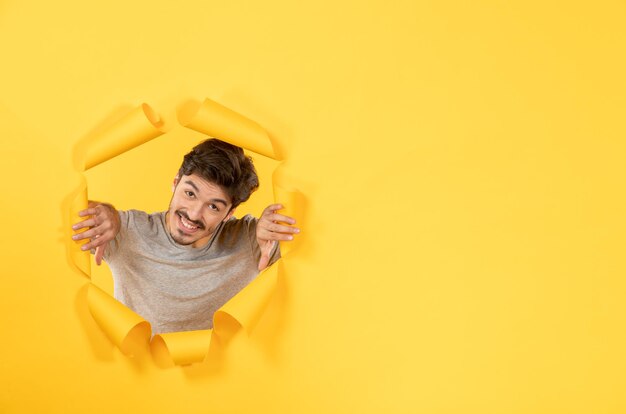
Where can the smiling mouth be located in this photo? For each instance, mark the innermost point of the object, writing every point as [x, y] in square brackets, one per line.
[188, 225]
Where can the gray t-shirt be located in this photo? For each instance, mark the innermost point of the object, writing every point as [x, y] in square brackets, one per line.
[176, 287]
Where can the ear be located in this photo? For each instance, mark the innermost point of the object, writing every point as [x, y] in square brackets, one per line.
[175, 183]
[229, 215]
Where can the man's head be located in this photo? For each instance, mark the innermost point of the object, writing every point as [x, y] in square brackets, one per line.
[214, 178]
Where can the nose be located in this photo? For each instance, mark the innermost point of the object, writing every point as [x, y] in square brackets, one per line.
[194, 211]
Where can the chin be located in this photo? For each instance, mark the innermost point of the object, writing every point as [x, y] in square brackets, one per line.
[183, 242]
[186, 240]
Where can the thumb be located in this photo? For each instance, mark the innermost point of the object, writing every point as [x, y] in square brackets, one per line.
[265, 259]
[266, 249]
[100, 253]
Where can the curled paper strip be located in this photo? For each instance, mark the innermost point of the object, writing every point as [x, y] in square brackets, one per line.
[246, 308]
[125, 328]
[138, 127]
[80, 258]
[223, 123]
[180, 348]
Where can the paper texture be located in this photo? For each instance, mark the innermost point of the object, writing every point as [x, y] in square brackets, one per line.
[138, 127]
[227, 125]
[128, 330]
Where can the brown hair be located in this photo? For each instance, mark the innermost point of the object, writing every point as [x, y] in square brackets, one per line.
[225, 165]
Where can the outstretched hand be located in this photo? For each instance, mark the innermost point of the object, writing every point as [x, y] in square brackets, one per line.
[272, 228]
[103, 224]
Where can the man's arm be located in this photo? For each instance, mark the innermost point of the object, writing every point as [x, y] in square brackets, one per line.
[103, 224]
[272, 228]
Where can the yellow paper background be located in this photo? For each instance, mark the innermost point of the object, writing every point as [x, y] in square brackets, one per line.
[463, 167]
[124, 328]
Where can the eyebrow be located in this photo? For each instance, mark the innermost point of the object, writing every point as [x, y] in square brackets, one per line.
[213, 200]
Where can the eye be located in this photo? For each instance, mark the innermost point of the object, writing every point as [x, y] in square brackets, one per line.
[189, 194]
[214, 207]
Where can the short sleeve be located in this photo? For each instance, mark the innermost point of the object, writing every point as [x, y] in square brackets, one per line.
[114, 245]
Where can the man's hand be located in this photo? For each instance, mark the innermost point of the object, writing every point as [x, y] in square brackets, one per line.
[104, 224]
[271, 228]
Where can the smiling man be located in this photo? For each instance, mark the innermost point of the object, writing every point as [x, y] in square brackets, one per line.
[177, 267]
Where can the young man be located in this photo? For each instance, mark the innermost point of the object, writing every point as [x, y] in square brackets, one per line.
[176, 268]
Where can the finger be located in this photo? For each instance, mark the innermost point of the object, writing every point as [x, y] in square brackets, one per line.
[87, 212]
[269, 246]
[270, 235]
[263, 262]
[95, 242]
[89, 234]
[100, 253]
[279, 228]
[85, 223]
[265, 254]
[281, 218]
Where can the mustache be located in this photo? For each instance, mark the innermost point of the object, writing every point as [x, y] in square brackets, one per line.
[194, 222]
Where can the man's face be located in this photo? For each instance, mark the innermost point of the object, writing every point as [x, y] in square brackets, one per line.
[196, 209]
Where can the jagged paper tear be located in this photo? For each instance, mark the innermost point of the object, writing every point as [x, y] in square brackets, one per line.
[128, 330]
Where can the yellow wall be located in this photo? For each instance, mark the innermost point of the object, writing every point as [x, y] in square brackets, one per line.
[463, 164]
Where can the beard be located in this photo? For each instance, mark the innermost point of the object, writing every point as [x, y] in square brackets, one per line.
[183, 238]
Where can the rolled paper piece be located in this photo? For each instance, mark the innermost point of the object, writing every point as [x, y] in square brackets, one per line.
[180, 348]
[80, 258]
[290, 200]
[225, 325]
[121, 325]
[246, 308]
[217, 121]
[137, 127]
